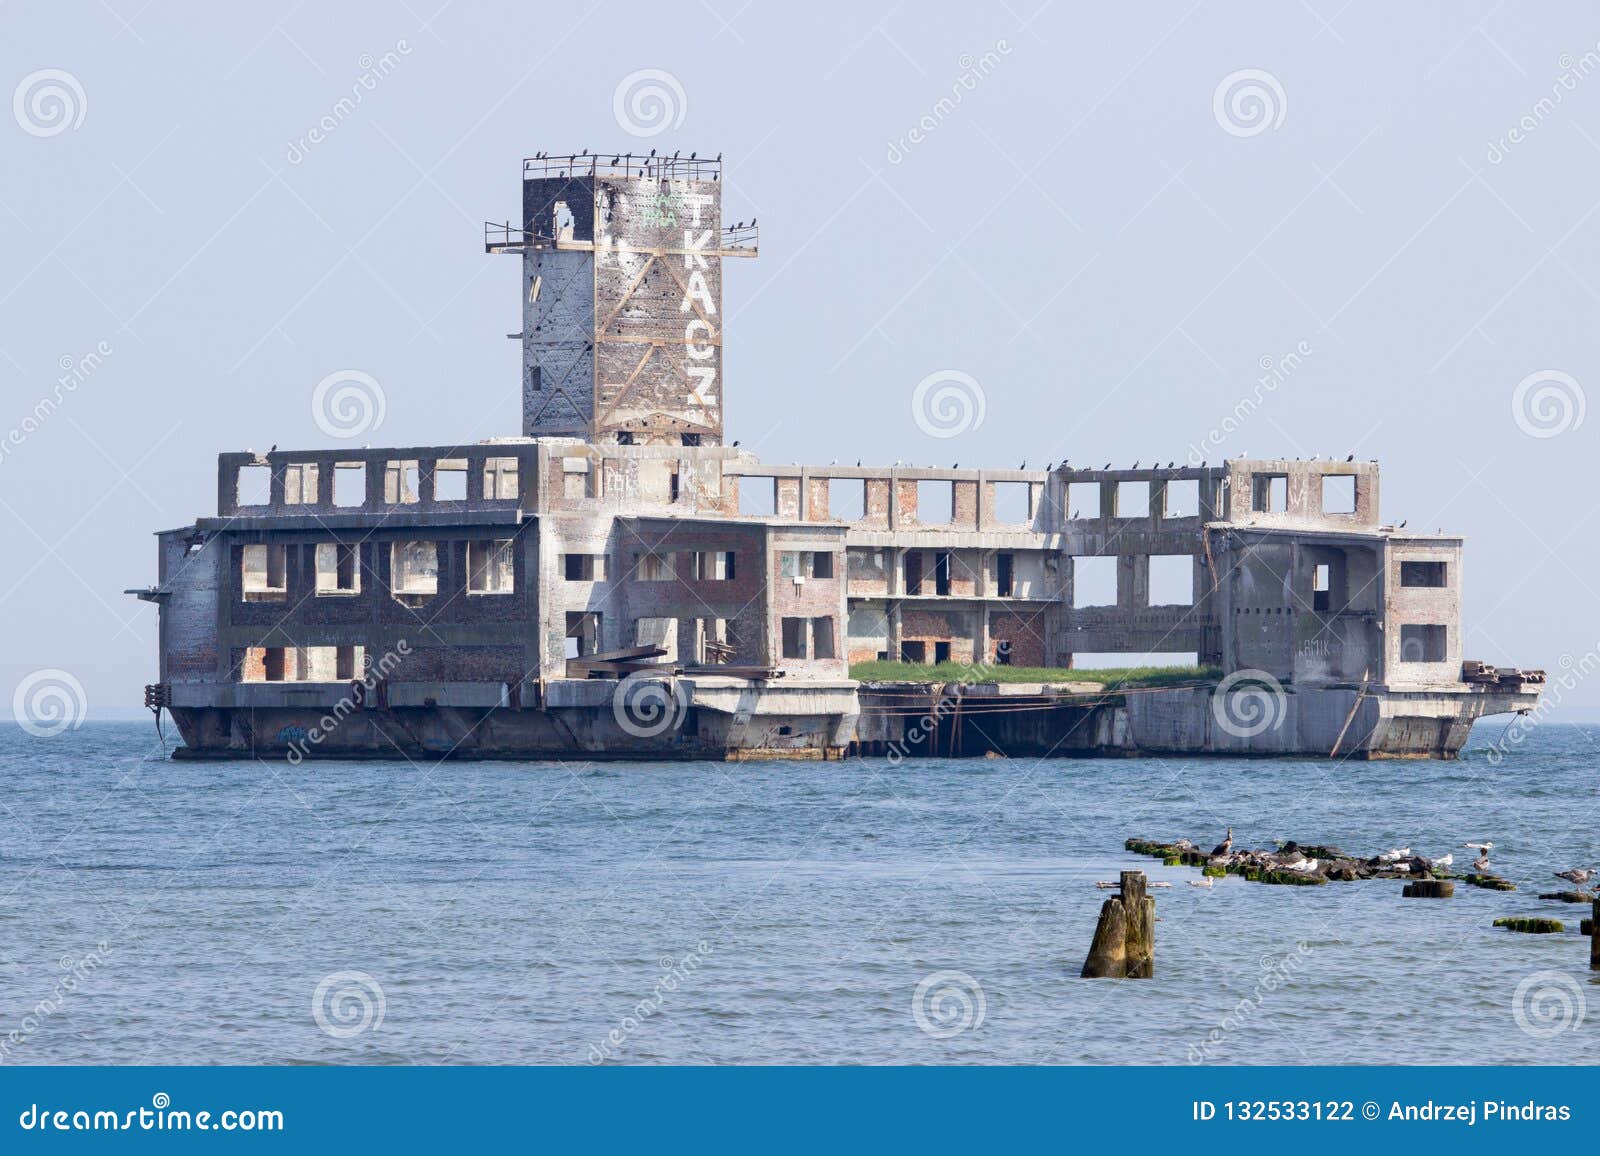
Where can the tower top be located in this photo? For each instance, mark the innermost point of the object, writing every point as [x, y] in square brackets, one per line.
[622, 295]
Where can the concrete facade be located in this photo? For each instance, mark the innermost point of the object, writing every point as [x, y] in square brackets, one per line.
[500, 598]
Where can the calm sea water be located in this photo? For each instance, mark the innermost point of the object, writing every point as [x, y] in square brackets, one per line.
[776, 912]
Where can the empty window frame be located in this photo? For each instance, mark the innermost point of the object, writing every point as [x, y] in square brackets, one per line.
[1338, 493]
[1182, 498]
[1171, 580]
[1322, 587]
[500, 479]
[254, 486]
[913, 572]
[1133, 499]
[1094, 581]
[1013, 503]
[300, 484]
[1429, 574]
[450, 480]
[1005, 571]
[936, 503]
[822, 564]
[847, 499]
[338, 569]
[941, 572]
[583, 567]
[823, 644]
[1422, 643]
[413, 571]
[654, 567]
[349, 662]
[794, 637]
[583, 633]
[491, 566]
[350, 484]
[1083, 500]
[263, 573]
[714, 565]
[401, 482]
[1269, 493]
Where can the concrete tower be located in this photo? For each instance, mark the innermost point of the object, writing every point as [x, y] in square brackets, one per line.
[622, 297]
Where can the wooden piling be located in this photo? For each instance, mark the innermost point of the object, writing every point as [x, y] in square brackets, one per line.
[1125, 937]
[1594, 938]
[1429, 889]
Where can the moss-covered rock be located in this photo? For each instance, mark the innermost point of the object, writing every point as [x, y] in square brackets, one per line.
[1214, 872]
[1491, 882]
[1530, 925]
[1568, 896]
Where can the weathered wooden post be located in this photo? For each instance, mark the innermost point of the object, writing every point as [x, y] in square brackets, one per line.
[1594, 938]
[1429, 889]
[1125, 938]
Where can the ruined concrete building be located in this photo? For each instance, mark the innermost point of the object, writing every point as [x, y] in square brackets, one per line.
[619, 581]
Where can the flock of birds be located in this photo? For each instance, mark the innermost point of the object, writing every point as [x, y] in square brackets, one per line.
[1291, 858]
